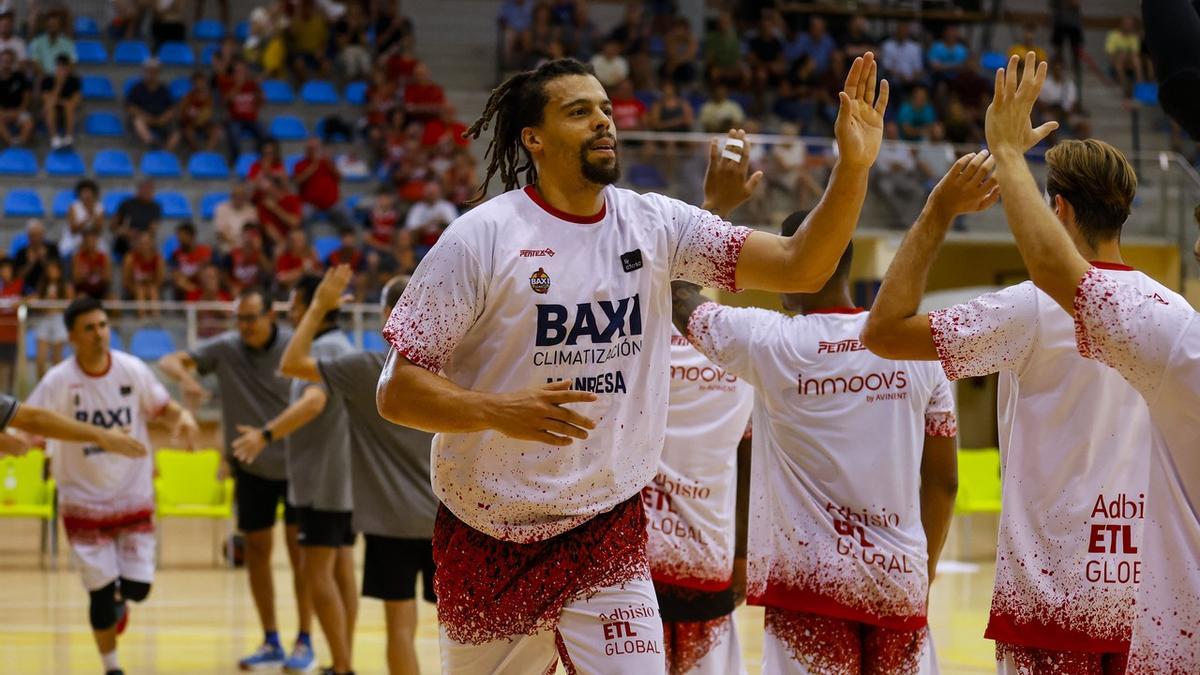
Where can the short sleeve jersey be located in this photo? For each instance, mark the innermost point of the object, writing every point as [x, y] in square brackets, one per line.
[98, 489]
[1153, 341]
[318, 455]
[516, 294]
[1074, 442]
[691, 504]
[839, 433]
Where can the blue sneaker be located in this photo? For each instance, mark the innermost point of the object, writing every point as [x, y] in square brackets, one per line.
[268, 657]
[302, 659]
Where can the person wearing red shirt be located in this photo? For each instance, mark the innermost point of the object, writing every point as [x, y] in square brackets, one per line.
[318, 179]
[628, 113]
[243, 100]
[383, 97]
[423, 98]
[297, 259]
[445, 125]
[197, 116]
[246, 266]
[187, 261]
[209, 322]
[280, 210]
[268, 165]
[91, 267]
[349, 253]
[383, 220]
[144, 273]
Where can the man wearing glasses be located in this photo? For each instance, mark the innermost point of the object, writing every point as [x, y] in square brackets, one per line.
[246, 363]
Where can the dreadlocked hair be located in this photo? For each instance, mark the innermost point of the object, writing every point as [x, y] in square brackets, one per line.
[517, 103]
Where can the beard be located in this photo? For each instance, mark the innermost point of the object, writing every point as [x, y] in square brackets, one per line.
[600, 173]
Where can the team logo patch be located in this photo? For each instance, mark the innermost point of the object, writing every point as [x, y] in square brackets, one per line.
[126, 390]
[632, 260]
[539, 281]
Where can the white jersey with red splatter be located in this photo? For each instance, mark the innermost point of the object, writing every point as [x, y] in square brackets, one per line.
[97, 489]
[517, 294]
[1074, 443]
[1154, 342]
[691, 504]
[839, 433]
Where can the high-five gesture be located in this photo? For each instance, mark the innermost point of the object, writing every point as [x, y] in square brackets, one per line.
[859, 126]
[1008, 124]
[967, 187]
[330, 293]
[725, 184]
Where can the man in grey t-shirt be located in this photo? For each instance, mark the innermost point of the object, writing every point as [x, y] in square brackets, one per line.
[317, 437]
[246, 364]
[394, 505]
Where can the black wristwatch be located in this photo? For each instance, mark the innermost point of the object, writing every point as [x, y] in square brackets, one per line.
[267, 435]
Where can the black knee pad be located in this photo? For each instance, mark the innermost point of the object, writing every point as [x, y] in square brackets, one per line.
[134, 590]
[103, 609]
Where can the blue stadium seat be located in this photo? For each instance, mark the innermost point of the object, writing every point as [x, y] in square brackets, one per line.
[113, 198]
[209, 202]
[288, 128]
[174, 205]
[1146, 93]
[18, 162]
[208, 166]
[990, 61]
[86, 27]
[90, 53]
[207, 54]
[103, 124]
[356, 93]
[244, 162]
[242, 31]
[19, 241]
[319, 92]
[290, 162]
[130, 53]
[278, 92]
[151, 344]
[62, 203]
[373, 341]
[64, 163]
[647, 97]
[97, 88]
[169, 247]
[112, 164]
[180, 87]
[23, 204]
[177, 54]
[209, 30]
[326, 245]
[351, 202]
[161, 164]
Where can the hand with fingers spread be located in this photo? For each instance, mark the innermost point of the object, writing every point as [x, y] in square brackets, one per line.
[725, 184]
[859, 125]
[968, 187]
[331, 292]
[539, 414]
[1008, 125]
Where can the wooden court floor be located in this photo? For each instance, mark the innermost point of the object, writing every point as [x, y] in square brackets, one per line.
[200, 619]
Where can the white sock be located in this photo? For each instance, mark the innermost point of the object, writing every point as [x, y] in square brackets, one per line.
[110, 661]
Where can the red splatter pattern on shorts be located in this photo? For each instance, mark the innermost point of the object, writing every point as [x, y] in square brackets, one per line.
[490, 589]
[688, 642]
[1034, 661]
[829, 645]
[86, 525]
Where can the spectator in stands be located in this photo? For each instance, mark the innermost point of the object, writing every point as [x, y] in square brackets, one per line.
[960, 124]
[232, 215]
[31, 260]
[720, 113]
[423, 98]
[11, 41]
[428, 218]
[144, 273]
[858, 40]
[351, 165]
[11, 295]
[682, 50]
[243, 101]
[796, 100]
[187, 261]
[393, 31]
[514, 21]
[901, 59]
[610, 65]
[48, 327]
[382, 101]
[16, 124]
[580, 36]
[279, 209]
[628, 112]
[671, 112]
[1059, 100]
[91, 268]
[380, 266]
[248, 265]
[445, 126]
[198, 126]
[817, 43]
[308, 40]
[297, 259]
[1027, 43]
[916, 115]
[894, 176]
[348, 253]
[634, 30]
[318, 182]
[788, 171]
[62, 94]
[51, 44]
[85, 213]
[934, 157]
[723, 53]
[972, 87]
[139, 213]
[351, 43]
[151, 109]
[1124, 49]
[265, 46]
[228, 53]
[382, 221]
[765, 51]
[169, 23]
[542, 34]
[126, 20]
[209, 288]
[1067, 18]
[947, 55]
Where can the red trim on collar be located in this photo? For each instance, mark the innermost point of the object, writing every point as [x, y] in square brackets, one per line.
[837, 310]
[1111, 266]
[536, 196]
[85, 371]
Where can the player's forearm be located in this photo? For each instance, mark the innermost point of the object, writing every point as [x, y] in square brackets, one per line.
[306, 409]
[1054, 264]
[818, 245]
[685, 298]
[176, 367]
[49, 424]
[742, 524]
[939, 488]
[412, 396]
[173, 413]
[297, 358]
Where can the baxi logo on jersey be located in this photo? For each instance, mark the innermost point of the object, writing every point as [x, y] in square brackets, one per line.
[539, 281]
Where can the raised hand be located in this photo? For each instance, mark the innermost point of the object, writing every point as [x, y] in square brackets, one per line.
[725, 184]
[538, 414]
[1008, 125]
[968, 186]
[859, 125]
[331, 292]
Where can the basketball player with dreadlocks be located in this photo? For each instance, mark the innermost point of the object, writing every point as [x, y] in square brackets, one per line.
[534, 339]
